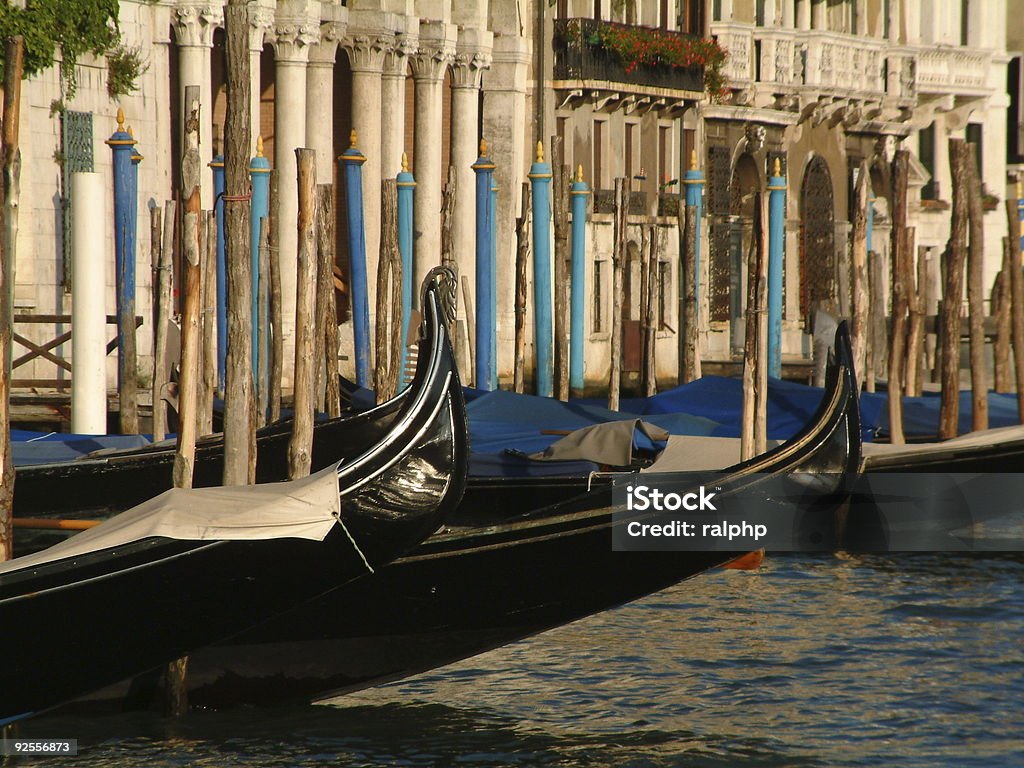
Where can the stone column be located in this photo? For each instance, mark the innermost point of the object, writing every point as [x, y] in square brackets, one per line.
[396, 63]
[320, 102]
[466, 74]
[366, 52]
[260, 20]
[819, 15]
[803, 14]
[506, 131]
[428, 69]
[291, 55]
[194, 26]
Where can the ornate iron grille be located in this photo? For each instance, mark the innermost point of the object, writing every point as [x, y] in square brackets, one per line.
[76, 156]
[817, 241]
[719, 261]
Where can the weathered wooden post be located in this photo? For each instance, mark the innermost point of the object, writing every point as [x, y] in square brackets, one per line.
[689, 236]
[207, 322]
[300, 445]
[1001, 304]
[522, 259]
[239, 406]
[560, 204]
[618, 257]
[325, 303]
[776, 240]
[276, 311]
[540, 176]
[176, 699]
[187, 388]
[876, 320]
[915, 318]
[217, 167]
[752, 430]
[486, 375]
[650, 370]
[693, 181]
[859, 273]
[263, 370]
[162, 316]
[259, 174]
[975, 299]
[899, 295]
[406, 205]
[389, 296]
[1017, 299]
[577, 338]
[949, 407]
[352, 163]
[14, 50]
[121, 144]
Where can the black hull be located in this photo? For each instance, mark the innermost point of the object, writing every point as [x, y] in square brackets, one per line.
[496, 574]
[86, 615]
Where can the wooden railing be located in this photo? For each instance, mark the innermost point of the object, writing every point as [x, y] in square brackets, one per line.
[45, 350]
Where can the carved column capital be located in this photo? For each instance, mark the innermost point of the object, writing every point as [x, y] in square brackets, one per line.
[194, 25]
[293, 39]
[260, 21]
[396, 58]
[366, 49]
[431, 60]
[324, 53]
[468, 67]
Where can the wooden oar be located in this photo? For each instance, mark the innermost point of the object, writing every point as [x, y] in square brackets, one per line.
[44, 524]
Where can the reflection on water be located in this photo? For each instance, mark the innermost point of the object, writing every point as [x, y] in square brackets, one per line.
[913, 660]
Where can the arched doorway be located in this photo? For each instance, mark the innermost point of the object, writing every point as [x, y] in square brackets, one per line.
[817, 242]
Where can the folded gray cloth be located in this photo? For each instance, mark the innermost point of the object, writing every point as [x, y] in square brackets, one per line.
[610, 443]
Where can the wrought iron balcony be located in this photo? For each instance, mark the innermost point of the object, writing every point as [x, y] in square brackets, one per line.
[581, 54]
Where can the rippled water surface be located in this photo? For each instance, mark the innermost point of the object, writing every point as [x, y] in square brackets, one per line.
[909, 660]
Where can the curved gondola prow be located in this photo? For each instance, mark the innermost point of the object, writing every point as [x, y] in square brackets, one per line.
[423, 462]
[829, 445]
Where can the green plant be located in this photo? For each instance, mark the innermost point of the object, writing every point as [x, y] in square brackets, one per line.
[125, 66]
[76, 26]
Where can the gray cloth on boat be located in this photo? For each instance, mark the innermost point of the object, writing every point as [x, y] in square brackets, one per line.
[610, 443]
[875, 454]
[691, 453]
[304, 509]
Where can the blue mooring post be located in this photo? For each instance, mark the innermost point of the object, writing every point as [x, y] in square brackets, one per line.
[259, 173]
[122, 146]
[406, 189]
[577, 287]
[494, 279]
[352, 162]
[540, 178]
[485, 377]
[776, 235]
[217, 166]
[693, 181]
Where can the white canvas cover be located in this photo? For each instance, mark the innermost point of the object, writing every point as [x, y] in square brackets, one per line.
[305, 509]
[873, 452]
[689, 453]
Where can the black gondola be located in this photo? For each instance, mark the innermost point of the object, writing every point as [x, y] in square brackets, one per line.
[493, 576]
[180, 572]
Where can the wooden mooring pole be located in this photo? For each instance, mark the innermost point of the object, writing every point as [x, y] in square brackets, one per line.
[300, 445]
[956, 250]
[560, 203]
[618, 258]
[389, 296]
[1016, 302]
[901, 165]
[276, 311]
[522, 264]
[859, 275]
[239, 407]
[1001, 309]
[176, 698]
[975, 298]
[326, 307]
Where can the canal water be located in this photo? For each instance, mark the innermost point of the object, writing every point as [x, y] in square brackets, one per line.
[837, 660]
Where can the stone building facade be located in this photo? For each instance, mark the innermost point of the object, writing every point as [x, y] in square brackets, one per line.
[819, 85]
